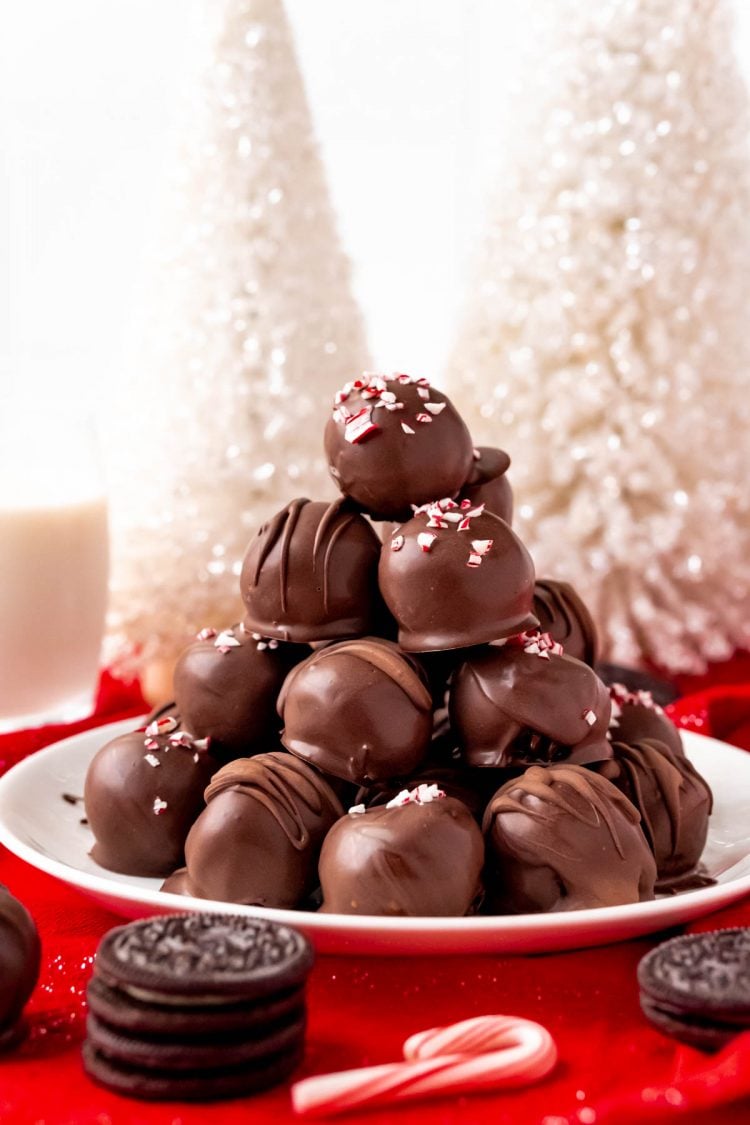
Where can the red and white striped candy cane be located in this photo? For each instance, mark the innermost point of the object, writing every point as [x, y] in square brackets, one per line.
[484, 1053]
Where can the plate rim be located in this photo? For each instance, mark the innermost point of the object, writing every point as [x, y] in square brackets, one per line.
[102, 886]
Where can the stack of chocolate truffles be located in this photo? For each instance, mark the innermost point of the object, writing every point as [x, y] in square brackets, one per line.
[407, 721]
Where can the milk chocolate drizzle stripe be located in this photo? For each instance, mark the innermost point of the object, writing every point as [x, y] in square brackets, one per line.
[540, 782]
[281, 784]
[270, 532]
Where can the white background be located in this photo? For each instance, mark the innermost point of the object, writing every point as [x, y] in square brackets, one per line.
[407, 96]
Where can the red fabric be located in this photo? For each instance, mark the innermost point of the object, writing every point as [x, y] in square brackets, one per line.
[614, 1067]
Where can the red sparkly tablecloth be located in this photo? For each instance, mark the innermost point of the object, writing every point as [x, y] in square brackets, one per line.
[613, 1066]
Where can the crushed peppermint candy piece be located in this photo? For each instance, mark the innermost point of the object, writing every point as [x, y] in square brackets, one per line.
[159, 806]
[476, 454]
[206, 634]
[620, 694]
[360, 426]
[152, 759]
[423, 393]
[202, 743]
[435, 407]
[421, 417]
[482, 546]
[422, 795]
[356, 810]
[397, 543]
[151, 743]
[407, 429]
[226, 640]
[540, 644]
[589, 716]
[474, 560]
[181, 738]
[165, 725]
[425, 539]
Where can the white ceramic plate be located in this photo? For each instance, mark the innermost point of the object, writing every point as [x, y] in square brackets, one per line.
[43, 829]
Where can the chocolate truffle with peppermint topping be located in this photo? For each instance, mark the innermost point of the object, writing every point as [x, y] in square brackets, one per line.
[259, 837]
[564, 838]
[226, 685]
[142, 793]
[636, 715]
[419, 856]
[527, 703]
[455, 576]
[309, 575]
[360, 710]
[564, 616]
[488, 483]
[393, 441]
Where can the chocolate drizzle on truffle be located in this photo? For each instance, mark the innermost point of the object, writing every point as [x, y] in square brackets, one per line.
[310, 574]
[563, 838]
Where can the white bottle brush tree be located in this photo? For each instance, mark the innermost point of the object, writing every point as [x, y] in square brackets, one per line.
[606, 343]
[251, 329]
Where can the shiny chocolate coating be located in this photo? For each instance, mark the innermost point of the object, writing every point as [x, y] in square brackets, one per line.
[310, 575]
[20, 954]
[636, 716]
[359, 710]
[452, 580]
[259, 837]
[674, 802]
[414, 860]
[564, 616]
[226, 688]
[488, 484]
[413, 447]
[513, 707]
[473, 787]
[142, 795]
[563, 838]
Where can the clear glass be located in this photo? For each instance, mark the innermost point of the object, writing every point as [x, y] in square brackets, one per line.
[54, 562]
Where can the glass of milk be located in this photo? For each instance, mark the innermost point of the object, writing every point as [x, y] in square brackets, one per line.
[54, 559]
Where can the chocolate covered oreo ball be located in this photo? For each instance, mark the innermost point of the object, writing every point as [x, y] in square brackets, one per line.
[419, 856]
[359, 710]
[637, 716]
[259, 837]
[488, 483]
[226, 685]
[19, 966]
[142, 793]
[394, 441]
[527, 703]
[674, 802]
[309, 575]
[564, 838]
[563, 615]
[455, 576]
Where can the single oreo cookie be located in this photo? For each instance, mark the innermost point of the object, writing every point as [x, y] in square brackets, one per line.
[204, 958]
[196, 1006]
[696, 987]
[206, 1085]
[177, 1020]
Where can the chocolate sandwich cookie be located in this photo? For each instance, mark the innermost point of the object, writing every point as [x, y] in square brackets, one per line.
[696, 987]
[196, 1006]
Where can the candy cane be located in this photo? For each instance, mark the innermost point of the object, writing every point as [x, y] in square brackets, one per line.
[484, 1053]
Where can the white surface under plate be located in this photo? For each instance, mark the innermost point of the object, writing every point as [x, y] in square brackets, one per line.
[43, 829]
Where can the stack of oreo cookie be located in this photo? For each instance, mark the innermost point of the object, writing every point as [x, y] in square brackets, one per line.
[696, 987]
[196, 1007]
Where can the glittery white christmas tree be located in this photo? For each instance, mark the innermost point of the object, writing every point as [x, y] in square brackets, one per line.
[606, 344]
[252, 327]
